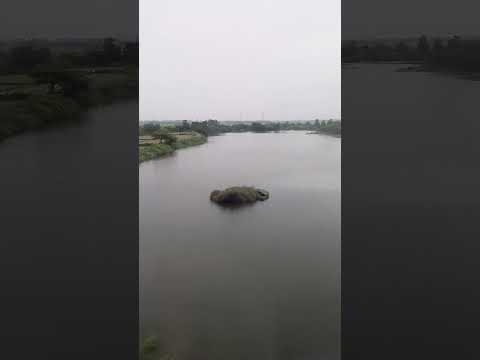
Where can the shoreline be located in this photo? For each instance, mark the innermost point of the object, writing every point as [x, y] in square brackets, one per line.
[31, 112]
[153, 151]
[338, 136]
[156, 151]
[466, 75]
[420, 68]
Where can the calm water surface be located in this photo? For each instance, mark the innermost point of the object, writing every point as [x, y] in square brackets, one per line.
[410, 180]
[261, 282]
[69, 219]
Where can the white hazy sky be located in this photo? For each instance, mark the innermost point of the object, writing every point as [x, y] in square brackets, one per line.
[237, 59]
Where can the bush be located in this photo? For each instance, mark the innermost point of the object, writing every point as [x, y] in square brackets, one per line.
[149, 345]
[152, 151]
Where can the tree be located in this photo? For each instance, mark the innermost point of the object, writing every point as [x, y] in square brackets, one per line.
[350, 50]
[111, 50]
[130, 53]
[150, 128]
[71, 83]
[26, 57]
[437, 46]
[423, 46]
[402, 50]
[200, 127]
[185, 126]
[258, 127]
[454, 42]
[165, 137]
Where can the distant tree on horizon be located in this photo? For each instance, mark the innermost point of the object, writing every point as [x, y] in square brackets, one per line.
[423, 46]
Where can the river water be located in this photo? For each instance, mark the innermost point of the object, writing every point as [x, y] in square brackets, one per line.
[69, 229]
[261, 282]
[410, 207]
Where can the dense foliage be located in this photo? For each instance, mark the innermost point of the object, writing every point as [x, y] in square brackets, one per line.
[161, 142]
[27, 55]
[214, 127]
[454, 54]
[41, 86]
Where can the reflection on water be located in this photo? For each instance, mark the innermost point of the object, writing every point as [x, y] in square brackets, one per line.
[256, 282]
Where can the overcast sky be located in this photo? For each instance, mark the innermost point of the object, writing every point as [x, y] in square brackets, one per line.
[380, 18]
[231, 60]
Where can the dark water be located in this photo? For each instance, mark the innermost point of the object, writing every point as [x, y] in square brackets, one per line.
[410, 205]
[429, 114]
[262, 282]
[69, 237]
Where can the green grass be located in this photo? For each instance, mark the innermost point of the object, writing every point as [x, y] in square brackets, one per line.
[153, 151]
[106, 88]
[195, 139]
[148, 346]
[25, 105]
[148, 150]
[150, 349]
[16, 79]
[35, 112]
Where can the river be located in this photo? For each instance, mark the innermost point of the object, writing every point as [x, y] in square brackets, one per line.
[410, 180]
[69, 205]
[261, 282]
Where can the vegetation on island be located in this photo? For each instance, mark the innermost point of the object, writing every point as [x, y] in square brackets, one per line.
[44, 83]
[239, 195]
[453, 54]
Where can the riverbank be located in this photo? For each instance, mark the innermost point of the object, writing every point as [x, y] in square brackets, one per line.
[458, 73]
[151, 148]
[452, 55]
[215, 127]
[334, 133]
[414, 67]
[26, 104]
[159, 139]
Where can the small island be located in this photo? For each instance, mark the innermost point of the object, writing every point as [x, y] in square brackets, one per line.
[239, 195]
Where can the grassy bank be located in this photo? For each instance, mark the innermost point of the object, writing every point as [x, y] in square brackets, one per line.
[185, 140]
[151, 148]
[109, 87]
[152, 151]
[35, 112]
[152, 349]
[27, 104]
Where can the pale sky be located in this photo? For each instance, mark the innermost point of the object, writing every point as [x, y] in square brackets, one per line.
[237, 59]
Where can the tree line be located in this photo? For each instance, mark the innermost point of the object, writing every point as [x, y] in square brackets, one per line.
[214, 127]
[453, 53]
[28, 57]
